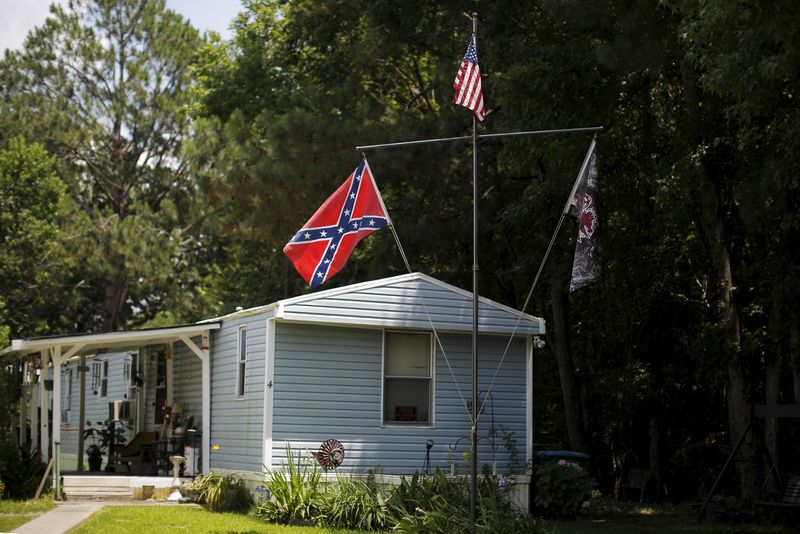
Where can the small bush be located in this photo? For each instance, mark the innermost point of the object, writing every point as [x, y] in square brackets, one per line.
[222, 493]
[295, 497]
[355, 504]
[561, 489]
[440, 504]
[21, 470]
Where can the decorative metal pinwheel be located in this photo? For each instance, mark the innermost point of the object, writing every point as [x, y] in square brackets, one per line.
[330, 455]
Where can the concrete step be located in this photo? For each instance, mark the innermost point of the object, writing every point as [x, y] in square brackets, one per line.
[95, 481]
[96, 488]
[97, 496]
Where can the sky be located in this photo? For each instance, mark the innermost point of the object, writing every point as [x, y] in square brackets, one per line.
[20, 16]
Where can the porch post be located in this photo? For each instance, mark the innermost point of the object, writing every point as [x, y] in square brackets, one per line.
[56, 355]
[81, 408]
[23, 418]
[44, 404]
[206, 364]
[56, 352]
[35, 393]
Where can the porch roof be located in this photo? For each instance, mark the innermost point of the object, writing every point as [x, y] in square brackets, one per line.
[77, 344]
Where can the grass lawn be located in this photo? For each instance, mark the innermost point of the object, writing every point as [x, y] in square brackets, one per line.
[155, 519]
[16, 513]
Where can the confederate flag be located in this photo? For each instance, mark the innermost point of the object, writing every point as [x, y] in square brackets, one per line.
[322, 246]
[583, 205]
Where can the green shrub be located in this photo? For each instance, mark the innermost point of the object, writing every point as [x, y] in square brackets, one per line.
[2, 489]
[21, 470]
[561, 489]
[438, 504]
[421, 492]
[295, 497]
[355, 504]
[222, 493]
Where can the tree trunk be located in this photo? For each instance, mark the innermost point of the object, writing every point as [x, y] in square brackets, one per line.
[566, 370]
[711, 210]
[794, 358]
[654, 432]
[773, 360]
[738, 408]
[116, 293]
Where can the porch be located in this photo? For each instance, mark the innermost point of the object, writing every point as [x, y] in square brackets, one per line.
[52, 418]
[100, 486]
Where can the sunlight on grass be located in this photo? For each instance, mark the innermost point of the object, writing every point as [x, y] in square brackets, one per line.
[24, 507]
[156, 519]
[11, 521]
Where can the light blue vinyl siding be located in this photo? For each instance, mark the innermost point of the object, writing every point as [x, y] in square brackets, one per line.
[238, 423]
[96, 407]
[406, 302]
[187, 382]
[328, 384]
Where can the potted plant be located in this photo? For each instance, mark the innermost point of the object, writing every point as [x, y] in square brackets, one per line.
[94, 455]
[105, 435]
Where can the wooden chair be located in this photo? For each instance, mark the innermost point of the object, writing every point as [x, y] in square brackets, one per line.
[791, 497]
[637, 479]
[141, 448]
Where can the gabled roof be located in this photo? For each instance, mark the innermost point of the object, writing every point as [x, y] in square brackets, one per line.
[412, 300]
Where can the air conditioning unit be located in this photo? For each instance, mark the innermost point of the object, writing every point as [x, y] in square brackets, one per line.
[121, 409]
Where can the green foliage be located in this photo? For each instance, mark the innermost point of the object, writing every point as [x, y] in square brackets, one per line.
[222, 493]
[33, 261]
[103, 85]
[295, 497]
[440, 504]
[21, 470]
[355, 504]
[561, 489]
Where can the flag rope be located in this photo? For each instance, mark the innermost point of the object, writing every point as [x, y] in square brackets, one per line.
[430, 320]
[538, 274]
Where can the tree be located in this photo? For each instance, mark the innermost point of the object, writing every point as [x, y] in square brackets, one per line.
[103, 86]
[33, 259]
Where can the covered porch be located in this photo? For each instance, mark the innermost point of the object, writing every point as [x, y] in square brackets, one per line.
[45, 420]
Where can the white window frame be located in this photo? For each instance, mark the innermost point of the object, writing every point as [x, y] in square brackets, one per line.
[241, 362]
[104, 379]
[430, 423]
[97, 370]
[68, 394]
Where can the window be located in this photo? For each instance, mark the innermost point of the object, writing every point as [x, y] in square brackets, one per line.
[96, 370]
[241, 362]
[407, 372]
[104, 380]
[131, 375]
[67, 397]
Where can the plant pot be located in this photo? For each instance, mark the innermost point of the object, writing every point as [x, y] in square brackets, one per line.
[95, 462]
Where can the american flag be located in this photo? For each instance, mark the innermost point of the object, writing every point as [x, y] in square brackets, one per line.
[323, 245]
[468, 83]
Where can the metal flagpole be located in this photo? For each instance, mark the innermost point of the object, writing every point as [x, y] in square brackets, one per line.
[474, 468]
[483, 136]
[475, 267]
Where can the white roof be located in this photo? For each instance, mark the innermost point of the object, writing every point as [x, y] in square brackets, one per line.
[88, 343]
[411, 300]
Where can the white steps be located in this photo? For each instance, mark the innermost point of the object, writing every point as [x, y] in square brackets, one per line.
[96, 488]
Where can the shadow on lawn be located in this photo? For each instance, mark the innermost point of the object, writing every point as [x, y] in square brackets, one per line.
[656, 519]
